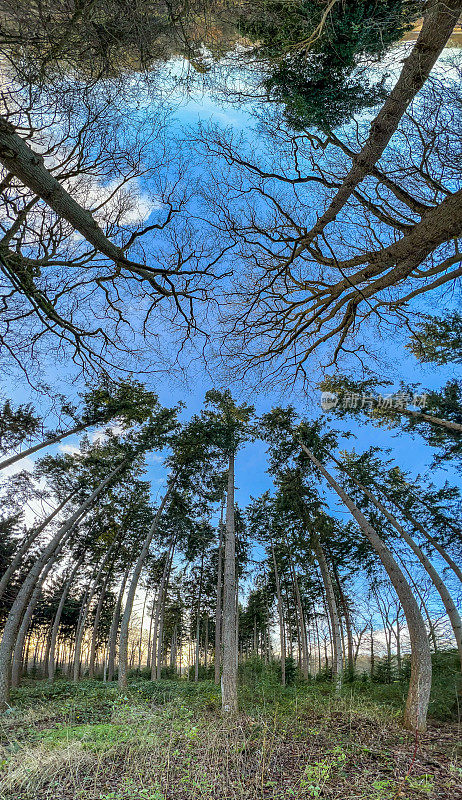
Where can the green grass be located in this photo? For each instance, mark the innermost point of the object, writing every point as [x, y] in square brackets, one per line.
[167, 740]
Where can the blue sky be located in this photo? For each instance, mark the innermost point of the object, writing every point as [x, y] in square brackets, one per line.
[411, 453]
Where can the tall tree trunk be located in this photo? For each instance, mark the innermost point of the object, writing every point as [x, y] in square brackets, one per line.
[358, 644]
[416, 524]
[112, 640]
[26, 654]
[163, 599]
[94, 637]
[15, 615]
[198, 622]
[173, 646]
[206, 641]
[151, 620]
[229, 674]
[337, 657]
[372, 652]
[57, 619]
[437, 581]
[318, 640]
[46, 443]
[46, 654]
[423, 607]
[84, 614]
[440, 18]
[219, 601]
[282, 632]
[398, 641]
[27, 618]
[26, 543]
[159, 601]
[421, 666]
[346, 616]
[123, 638]
[140, 643]
[301, 615]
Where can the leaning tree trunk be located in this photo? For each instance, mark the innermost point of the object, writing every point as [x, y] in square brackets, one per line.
[94, 638]
[26, 543]
[124, 627]
[83, 617]
[346, 616]
[28, 166]
[218, 602]
[440, 18]
[14, 617]
[157, 615]
[454, 427]
[440, 586]
[415, 714]
[27, 618]
[46, 443]
[57, 619]
[448, 523]
[229, 672]
[151, 620]
[19, 607]
[163, 598]
[140, 641]
[337, 657]
[112, 640]
[282, 630]
[418, 526]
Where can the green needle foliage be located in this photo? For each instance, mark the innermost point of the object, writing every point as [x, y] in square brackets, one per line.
[318, 61]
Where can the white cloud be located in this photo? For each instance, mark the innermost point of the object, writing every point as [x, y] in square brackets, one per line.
[71, 449]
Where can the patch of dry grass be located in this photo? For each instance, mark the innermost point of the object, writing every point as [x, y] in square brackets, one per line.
[295, 744]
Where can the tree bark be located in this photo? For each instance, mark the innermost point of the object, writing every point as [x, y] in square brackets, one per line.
[372, 652]
[440, 586]
[28, 166]
[26, 543]
[440, 18]
[159, 601]
[151, 620]
[47, 442]
[198, 622]
[94, 638]
[112, 641]
[83, 617]
[27, 618]
[229, 673]
[421, 666]
[57, 619]
[337, 657]
[282, 632]
[346, 616]
[163, 599]
[303, 638]
[140, 642]
[123, 638]
[219, 601]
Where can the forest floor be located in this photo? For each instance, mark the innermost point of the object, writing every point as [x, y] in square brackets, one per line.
[168, 741]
